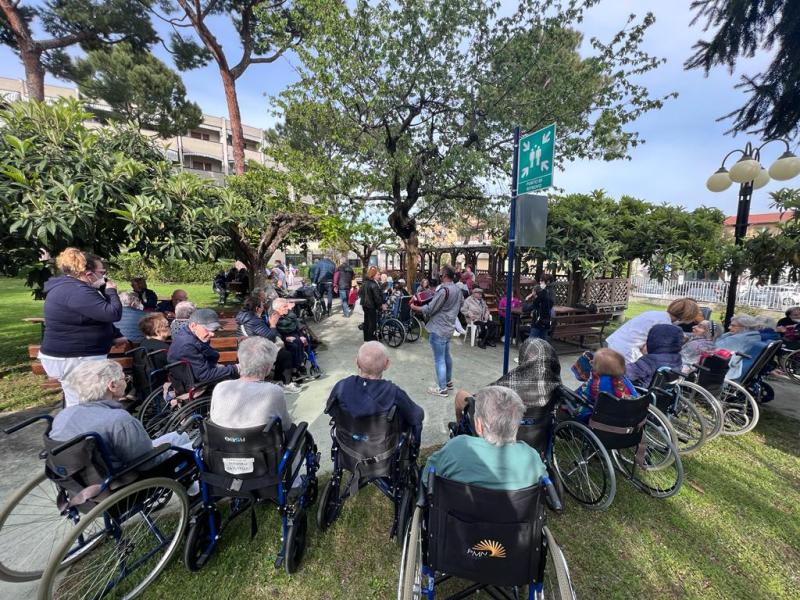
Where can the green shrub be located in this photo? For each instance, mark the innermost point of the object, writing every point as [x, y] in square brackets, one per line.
[127, 266]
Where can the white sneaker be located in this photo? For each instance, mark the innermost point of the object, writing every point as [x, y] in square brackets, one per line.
[456, 334]
[292, 388]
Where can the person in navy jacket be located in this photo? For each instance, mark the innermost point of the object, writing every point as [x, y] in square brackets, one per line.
[192, 345]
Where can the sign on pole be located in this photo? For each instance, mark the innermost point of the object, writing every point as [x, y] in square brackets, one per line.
[531, 225]
[535, 166]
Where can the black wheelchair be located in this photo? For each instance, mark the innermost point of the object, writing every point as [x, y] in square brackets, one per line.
[397, 324]
[311, 304]
[249, 467]
[762, 360]
[167, 410]
[494, 538]
[374, 450]
[90, 529]
[631, 432]
[145, 376]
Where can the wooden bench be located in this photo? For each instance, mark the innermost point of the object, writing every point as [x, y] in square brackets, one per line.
[575, 329]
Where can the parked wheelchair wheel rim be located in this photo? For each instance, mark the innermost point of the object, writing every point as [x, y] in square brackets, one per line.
[31, 528]
[706, 404]
[317, 313]
[661, 473]
[329, 506]
[295, 543]
[583, 465]
[414, 330]
[689, 426]
[155, 412]
[393, 332]
[739, 408]
[181, 418]
[657, 420]
[199, 545]
[404, 510]
[557, 581]
[410, 581]
[791, 365]
[124, 564]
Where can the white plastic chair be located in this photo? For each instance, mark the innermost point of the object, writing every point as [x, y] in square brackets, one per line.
[471, 330]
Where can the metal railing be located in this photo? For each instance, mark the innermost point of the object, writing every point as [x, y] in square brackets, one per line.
[771, 297]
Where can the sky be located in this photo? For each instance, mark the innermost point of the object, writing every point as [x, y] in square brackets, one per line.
[684, 142]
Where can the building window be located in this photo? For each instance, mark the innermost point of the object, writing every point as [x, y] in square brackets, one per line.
[201, 165]
[199, 135]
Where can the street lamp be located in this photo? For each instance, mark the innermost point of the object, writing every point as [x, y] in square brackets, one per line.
[749, 173]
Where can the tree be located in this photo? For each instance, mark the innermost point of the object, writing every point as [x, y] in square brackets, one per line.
[88, 23]
[771, 255]
[352, 230]
[422, 96]
[138, 87]
[266, 30]
[66, 185]
[743, 29]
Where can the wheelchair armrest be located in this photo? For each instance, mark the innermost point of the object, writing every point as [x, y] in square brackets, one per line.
[567, 394]
[101, 445]
[743, 355]
[144, 458]
[26, 422]
[189, 421]
[422, 497]
[392, 412]
[154, 352]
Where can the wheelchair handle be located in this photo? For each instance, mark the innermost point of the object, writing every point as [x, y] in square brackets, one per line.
[189, 421]
[157, 451]
[392, 411]
[699, 367]
[26, 422]
[552, 494]
[77, 439]
[743, 355]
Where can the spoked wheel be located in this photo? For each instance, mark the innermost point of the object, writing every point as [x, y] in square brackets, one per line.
[583, 465]
[791, 365]
[739, 409]
[155, 412]
[705, 403]
[137, 543]
[660, 472]
[393, 332]
[329, 506]
[404, 510]
[689, 426]
[183, 417]
[763, 392]
[31, 527]
[295, 542]
[199, 543]
[557, 583]
[414, 330]
[317, 312]
[315, 372]
[409, 586]
[658, 420]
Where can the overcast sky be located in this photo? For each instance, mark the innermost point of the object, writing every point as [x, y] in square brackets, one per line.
[684, 143]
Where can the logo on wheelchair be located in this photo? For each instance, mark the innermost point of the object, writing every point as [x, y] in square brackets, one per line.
[487, 549]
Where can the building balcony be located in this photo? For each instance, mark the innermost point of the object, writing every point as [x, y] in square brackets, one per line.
[194, 147]
[218, 177]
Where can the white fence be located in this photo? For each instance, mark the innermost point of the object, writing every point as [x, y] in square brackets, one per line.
[772, 297]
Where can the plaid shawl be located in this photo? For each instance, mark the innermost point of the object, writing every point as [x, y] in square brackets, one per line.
[537, 376]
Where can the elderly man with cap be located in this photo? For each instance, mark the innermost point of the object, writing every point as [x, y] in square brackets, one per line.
[192, 345]
[477, 313]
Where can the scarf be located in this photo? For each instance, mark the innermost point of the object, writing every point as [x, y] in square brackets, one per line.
[537, 376]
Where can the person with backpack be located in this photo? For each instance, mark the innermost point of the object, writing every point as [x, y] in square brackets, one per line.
[342, 280]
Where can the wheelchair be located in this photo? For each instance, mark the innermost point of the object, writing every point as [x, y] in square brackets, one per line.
[374, 450]
[88, 529]
[397, 324]
[162, 412]
[146, 377]
[739, 408]
[789, 360]
[494, 538]
[249, 467]
[759, 361]
[312, 307]
[627, 435]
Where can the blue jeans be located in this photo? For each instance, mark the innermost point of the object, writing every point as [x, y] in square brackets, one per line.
[442, 362]
[343, 297]
[326, 291]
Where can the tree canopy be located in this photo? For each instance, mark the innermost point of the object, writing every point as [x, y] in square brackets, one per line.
[743, 29]
[421, 97]
[768, 255]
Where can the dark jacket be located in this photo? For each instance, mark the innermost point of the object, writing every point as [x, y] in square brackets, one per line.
[200, 355]
[149, 299]
[165, 306]
[370, 294]
[322, 271]
[543, 306]
[289, 325]
[255, 325]
[664, 343]
[346, 275]
[361, 397]
[159, 360]
[79, 320]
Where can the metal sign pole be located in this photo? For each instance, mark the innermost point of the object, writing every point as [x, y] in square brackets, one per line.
[511, 241]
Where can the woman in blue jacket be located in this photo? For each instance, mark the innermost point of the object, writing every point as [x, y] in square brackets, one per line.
[80, 309]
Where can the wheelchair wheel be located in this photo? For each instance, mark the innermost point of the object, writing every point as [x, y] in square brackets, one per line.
[393, 332]
[583, 465]
[660, 472]
[739, 409]
[295, 542]
[415, 330]
[763, 392]
[659, 420]
[409, 586]
[317, 311]
[154, 412]
[31, 526]
[557, 582]
[689, 426]
[791, 365]
[199, 544]
[182, 418]
[315, 372]
[329, 507]
[404, 510]
[137, 543]
[705, 403]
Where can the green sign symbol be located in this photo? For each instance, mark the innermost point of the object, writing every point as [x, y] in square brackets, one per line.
[535, 166]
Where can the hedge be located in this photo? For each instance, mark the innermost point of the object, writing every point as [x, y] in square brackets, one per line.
[127, 266]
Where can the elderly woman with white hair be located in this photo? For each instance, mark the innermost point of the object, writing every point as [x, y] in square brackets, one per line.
[99, 385]
[250, 401]
[132, 312]
[742, 333]
[493, 458]
[183, 310]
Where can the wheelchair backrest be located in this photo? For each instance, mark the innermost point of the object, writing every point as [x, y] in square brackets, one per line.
[714, 368]
[619, 422]
[485, 535]
[142, 366]
[663, 389]
[535, 426]
[404, 309]
[181, 377]
[244, 453]
[761, 354]
[369, 442]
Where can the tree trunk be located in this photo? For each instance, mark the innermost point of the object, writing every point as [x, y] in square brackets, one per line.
[34, 74]
[29, 50]
[258, 272]
[412, 252]
[235, 116]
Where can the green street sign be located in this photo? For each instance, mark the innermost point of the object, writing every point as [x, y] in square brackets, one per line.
[535, 163]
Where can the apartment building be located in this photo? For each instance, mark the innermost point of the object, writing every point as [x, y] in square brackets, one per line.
[205, 150]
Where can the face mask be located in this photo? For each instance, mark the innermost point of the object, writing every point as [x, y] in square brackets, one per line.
[98, 282]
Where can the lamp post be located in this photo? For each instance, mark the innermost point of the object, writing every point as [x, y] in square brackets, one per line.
[750, 175]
